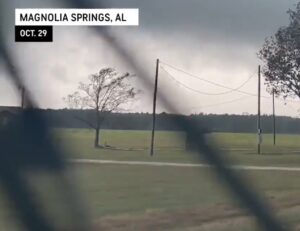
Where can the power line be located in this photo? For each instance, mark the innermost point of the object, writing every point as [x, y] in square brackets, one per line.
[220, 85]
[186, 86]
[213, 83]
[222, 103]
[234, 89]
[204, 93]
[217, 84]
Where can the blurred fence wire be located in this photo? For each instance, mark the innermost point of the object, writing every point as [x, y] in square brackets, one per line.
[37, 151]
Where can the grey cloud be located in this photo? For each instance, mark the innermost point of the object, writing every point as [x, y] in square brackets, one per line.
[215, 39]
[242, 19]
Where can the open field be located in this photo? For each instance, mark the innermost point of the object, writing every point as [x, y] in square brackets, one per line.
[239, 148]
[135, 197]
[166, 198]
[190, 199]
[172, 198]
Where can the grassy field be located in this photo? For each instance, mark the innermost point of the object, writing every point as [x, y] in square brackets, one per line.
[123, 197]
[239, 148]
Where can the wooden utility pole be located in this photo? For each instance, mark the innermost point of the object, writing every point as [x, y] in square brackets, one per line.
[154, 108]
[274, 121]
[22, 97]
[258, 114]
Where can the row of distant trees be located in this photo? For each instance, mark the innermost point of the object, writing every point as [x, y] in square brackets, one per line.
[143, 121]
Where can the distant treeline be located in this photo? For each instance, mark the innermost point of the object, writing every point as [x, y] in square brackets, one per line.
[143, 121]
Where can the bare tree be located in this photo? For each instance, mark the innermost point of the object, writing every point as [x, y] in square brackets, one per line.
[105, 92]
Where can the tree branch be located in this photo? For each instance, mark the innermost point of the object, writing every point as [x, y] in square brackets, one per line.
[85, 121]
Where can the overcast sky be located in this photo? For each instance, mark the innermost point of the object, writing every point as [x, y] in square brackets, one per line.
[215, 40]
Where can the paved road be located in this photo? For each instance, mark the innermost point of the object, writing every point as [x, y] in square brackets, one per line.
[188, 165]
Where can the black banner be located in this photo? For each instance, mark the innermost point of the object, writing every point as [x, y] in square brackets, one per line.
[34, 33]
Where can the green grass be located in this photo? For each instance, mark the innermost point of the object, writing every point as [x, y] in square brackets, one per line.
[123, 197]
[239, 148]
[137, 189]
[120, 192]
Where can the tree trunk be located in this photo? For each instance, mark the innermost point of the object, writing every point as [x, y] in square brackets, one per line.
[97, 129]
[97, 136]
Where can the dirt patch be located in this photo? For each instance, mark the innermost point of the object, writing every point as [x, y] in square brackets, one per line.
[217, 217]
[162, 220]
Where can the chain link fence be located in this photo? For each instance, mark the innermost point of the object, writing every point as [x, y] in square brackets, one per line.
[27, 145]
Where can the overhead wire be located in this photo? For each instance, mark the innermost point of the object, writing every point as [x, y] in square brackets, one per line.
[237, 89]
[207, 93]
[222, 103]
[211, 82]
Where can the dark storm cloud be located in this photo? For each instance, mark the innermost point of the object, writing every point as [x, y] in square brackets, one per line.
[216, 39]
[247, 20]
